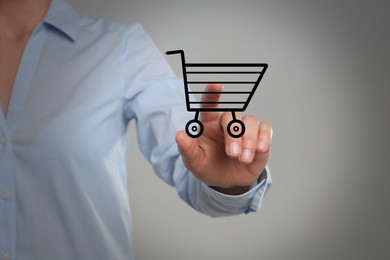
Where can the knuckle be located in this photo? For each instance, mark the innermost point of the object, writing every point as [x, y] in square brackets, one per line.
[249, 117]
[265, 127]
[265, 124]
[249, 143]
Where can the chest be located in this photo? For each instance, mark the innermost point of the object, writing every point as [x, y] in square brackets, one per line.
[67, 97]
[11, 52]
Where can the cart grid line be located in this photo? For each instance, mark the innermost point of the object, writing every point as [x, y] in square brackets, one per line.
[224, 72]
[217, 102]
[221, 82]
[222, 92]
[210, 109]
[224, 64]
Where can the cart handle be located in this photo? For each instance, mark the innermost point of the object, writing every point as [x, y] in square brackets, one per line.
[175, 52]
[181, 52]
[183, 66]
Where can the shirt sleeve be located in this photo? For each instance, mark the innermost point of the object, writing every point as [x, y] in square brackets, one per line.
[155, 99]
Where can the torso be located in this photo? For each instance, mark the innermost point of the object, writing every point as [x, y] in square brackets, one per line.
[11, 52]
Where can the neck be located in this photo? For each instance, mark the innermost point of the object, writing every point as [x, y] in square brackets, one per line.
[19, 17]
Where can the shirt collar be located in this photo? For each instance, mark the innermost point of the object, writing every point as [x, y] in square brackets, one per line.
[63, 17]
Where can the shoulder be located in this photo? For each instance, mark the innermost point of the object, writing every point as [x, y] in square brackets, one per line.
[101, 26]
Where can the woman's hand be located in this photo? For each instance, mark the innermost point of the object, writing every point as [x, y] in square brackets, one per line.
[229, 165]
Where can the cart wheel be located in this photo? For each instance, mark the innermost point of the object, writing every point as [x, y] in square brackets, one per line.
[236, 128]
[194, 128]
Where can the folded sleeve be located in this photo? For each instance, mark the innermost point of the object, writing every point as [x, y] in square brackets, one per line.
[155, 99]
[219, 204]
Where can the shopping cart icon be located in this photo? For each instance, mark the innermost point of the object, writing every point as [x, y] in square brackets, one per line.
[240, 81]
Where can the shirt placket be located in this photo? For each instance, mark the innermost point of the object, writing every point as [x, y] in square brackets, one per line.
[8, 195]
[7, 204]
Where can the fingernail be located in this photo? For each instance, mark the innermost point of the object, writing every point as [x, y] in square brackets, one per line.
[234, 149]
[272, 133]
[246, 155]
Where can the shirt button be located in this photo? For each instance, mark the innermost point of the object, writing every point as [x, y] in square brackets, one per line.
[4, 195]
[2, 139]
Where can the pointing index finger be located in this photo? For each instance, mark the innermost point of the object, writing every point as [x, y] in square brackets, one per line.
[210, 101]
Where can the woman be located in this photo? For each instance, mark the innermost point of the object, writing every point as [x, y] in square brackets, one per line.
[69, 86]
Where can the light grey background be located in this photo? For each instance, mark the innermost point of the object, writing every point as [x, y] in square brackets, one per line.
[325, 94]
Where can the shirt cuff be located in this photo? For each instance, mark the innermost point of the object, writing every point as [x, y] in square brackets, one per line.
[244, 203]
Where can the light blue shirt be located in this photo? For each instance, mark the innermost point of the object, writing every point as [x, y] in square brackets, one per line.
[63, 192]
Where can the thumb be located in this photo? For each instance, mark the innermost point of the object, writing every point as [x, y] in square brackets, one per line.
[189, 149]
